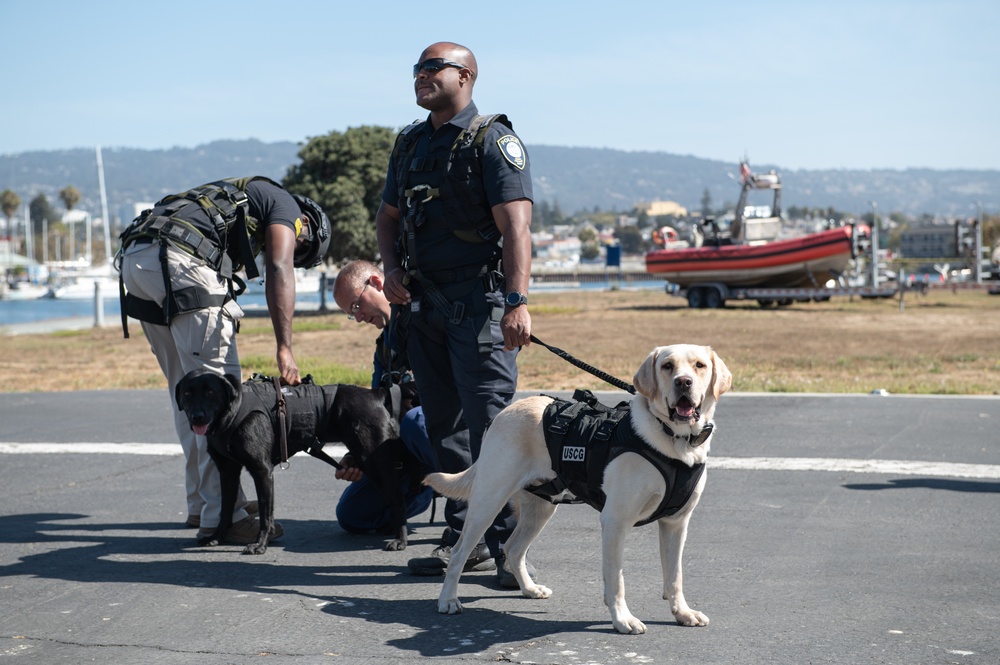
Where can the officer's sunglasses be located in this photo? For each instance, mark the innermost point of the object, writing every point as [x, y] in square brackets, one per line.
[434, 65]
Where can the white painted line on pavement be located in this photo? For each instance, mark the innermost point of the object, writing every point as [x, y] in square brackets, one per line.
[887, 467]
[112, 448]
[90, 448]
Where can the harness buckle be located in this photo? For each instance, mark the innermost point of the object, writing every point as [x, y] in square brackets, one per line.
[560, 425]
[416, 189]
[457, 312]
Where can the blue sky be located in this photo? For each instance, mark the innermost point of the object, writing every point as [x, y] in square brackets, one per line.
[800, 84]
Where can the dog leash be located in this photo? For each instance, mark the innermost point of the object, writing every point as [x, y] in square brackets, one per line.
[617, 383]
[319, 454]
[282, 410]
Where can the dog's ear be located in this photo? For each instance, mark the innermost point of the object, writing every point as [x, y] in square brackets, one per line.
[179, 394]
[233, 386]
[645, 378]
[722, 378]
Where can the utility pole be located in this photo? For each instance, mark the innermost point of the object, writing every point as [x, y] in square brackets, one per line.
[977, 253]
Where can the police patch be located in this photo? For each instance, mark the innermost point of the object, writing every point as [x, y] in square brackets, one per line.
[512, 150]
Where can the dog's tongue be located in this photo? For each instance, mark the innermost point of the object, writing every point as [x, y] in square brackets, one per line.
[200, 430]
[684, 408]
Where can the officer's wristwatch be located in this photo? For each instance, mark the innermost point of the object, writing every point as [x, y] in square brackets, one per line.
[515, 299]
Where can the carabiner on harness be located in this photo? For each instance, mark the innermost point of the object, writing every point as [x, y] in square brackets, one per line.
[431, 193]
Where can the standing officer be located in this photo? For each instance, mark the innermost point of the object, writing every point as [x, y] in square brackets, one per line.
[454, 234]
[178, 263]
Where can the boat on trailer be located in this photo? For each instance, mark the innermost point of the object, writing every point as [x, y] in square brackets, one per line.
[749, 252]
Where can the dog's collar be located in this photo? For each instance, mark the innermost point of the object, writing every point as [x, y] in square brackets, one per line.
[693, 440]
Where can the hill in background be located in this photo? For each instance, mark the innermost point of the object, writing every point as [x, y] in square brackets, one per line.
[575, 178]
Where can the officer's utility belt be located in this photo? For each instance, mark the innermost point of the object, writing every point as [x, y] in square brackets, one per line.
[460, 274]
[455, 312]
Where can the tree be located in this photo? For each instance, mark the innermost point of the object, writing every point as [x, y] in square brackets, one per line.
[643, 220]
[40, 212]
[587, 234]
[344, 172]
[540, 215]
[589, 251]
[545, 214]
[46, 223]
[991, 231]
[9, 202]
[557, 214]
[706, 203]
[70, 196]
[631, 239]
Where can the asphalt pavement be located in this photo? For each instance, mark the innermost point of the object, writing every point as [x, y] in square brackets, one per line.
[833, 529]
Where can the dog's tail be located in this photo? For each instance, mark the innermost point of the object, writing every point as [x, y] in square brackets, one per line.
[452, 485]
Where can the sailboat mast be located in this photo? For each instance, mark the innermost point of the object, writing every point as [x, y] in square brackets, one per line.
[104, 206]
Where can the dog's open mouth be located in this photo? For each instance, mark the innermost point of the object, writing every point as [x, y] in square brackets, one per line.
[200, 430]
[685, 409]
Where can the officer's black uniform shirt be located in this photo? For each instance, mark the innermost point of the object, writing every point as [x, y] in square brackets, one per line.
[503, 180]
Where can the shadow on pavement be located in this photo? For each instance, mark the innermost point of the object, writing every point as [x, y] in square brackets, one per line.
[153, 554]
[930, 483]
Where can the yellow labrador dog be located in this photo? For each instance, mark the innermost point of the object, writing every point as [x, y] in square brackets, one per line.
[677, 388]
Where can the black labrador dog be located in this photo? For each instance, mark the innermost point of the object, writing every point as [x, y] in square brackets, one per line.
[241, 422]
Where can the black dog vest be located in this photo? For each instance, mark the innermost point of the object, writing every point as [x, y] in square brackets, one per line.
[583, 436]
[306, 405]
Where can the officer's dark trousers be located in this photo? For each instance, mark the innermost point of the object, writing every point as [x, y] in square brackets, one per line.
[461, 391]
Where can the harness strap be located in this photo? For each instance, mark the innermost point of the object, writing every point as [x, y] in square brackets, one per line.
[282, 410]
[316, 451]
[394, 400]
[476, 131]
[475, 136]
[243, 238]
[410, 222]
[551, 489]
[177, 301]
[122, 296]
[180, 234]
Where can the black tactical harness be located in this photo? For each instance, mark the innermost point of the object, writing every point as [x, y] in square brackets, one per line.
[467, 214]
[226, 203]
[297, 415]
[583, 436]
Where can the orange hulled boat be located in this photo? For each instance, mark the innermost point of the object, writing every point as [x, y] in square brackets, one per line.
[750, 253]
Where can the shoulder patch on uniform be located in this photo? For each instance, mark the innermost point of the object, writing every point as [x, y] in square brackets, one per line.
[512, 150]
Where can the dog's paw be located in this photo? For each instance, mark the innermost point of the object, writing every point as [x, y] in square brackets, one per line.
[255, 548]
[449, 606]
[691, 617]
[395, 545]
[629, 625]
[537, 591]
